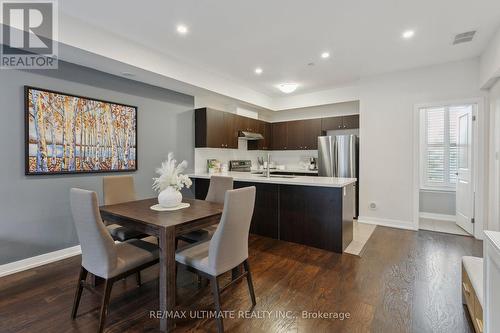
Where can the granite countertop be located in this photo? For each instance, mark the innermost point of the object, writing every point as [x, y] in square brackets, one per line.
[285, 180]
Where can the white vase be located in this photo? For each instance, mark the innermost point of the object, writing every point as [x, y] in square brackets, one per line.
[170, 197]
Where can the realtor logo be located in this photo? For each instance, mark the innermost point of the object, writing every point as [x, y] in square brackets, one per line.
[28, 33]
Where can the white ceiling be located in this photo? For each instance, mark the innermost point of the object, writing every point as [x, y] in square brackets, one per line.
[231, 38]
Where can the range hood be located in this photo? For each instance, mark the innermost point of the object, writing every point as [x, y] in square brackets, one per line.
[245, 135]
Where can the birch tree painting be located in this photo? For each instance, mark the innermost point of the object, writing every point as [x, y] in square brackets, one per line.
[69, 134]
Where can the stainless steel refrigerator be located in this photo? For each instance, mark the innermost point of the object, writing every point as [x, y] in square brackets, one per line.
[338, 157]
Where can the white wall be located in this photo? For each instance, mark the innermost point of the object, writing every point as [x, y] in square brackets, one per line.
[322, 111]
[494, 180]
[489, 68]
[386, 133]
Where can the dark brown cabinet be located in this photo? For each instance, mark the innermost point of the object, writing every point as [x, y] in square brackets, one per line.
[296, 135]
[279, 136]
[312, 129]
[230, 130]
[217, 129]
[344, 122]
[265, 129]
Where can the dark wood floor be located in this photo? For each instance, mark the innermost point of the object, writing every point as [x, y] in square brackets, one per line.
[405, 282]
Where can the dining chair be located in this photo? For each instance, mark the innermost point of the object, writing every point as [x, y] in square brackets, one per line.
[100, 255]
[227, 249]
[119, 189]
[217, 189]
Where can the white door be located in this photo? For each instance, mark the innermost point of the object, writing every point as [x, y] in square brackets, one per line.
[465, 188]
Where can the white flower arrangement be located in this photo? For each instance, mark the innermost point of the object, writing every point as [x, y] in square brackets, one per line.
[171, 175]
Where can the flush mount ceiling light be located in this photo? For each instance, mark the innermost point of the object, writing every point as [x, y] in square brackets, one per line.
[182, 29]
[258, 71]
[408, 34]
[287, 88]
[325, 55]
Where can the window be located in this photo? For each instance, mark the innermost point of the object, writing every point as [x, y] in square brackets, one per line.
[439, 145]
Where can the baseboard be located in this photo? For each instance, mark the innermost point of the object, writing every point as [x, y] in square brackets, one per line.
[440, 217]
[407, 225]
[43, 259]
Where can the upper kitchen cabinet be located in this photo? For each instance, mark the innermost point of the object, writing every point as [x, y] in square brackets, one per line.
[209, 128]
[265, 129]
[215, 129]
[312, 129]
[279, 136]
[230, 130]
[336, 123]
[300, 135]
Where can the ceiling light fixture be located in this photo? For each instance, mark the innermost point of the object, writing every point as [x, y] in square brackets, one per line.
[325, 55]
[258, 71]
[182, 29]
[287, 88]
[408, 34]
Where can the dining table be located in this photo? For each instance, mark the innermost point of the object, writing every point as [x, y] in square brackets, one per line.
[166, 226]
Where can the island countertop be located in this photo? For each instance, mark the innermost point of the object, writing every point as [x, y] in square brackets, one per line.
[279, 179]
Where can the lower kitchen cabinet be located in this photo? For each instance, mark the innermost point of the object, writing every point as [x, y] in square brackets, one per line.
[311, 216]
[265, 214]
[316, 216]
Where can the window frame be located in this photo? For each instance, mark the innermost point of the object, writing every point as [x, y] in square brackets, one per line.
[423, 146]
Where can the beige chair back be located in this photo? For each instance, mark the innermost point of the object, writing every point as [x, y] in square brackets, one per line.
[118, 189]
[229, 244]
[218, 187]
[98, 248]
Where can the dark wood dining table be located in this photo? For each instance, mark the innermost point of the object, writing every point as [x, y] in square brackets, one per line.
[166, 225]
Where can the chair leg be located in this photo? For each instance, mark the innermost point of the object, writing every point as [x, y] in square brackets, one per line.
[105, 302]
[250, 282]
[138, 278]
[78, 294]
[216, 292]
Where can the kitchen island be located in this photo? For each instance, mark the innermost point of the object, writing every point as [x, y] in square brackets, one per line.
[308, 210]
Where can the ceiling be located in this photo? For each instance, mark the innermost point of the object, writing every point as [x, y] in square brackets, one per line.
[231, 38]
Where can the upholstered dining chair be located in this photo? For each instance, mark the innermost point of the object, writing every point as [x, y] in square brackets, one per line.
[217, 189]
[119, 189]
[228, 247]
[100, 255]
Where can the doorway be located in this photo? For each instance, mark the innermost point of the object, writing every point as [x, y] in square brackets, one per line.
[446, 162]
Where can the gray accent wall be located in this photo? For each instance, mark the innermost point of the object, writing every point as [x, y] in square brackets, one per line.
[34, 210]
[437, 202]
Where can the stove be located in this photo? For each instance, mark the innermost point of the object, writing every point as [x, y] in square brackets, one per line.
[240, 165]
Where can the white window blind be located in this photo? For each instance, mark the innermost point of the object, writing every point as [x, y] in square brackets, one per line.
[439, 146]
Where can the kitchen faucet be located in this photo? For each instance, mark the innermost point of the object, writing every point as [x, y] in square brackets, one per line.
[267, 172]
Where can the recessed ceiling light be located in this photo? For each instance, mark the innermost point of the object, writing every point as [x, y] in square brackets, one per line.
[128, 74]
[325, 55]
[182, 29]
[258, 71]
[408, 34]
[287, 88]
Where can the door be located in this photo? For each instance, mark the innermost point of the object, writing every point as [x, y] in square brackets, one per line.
[295, 135]
[215, 129]
[332, 123]
[349, 122]
[326, 165]
[279, 136]
[312, 130]
[230, 131]
[346, 156]
[465, 188]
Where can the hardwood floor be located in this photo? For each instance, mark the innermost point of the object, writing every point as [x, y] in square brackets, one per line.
[405, 282]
